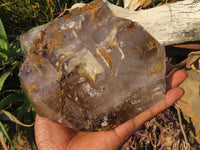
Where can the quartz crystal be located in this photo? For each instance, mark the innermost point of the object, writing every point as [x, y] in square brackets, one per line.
[90, 70]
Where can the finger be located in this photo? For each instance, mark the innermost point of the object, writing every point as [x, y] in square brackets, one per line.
[125, 130]
[176, 79]
[171, 97]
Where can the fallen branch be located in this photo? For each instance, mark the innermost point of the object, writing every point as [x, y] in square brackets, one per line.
[170, 24]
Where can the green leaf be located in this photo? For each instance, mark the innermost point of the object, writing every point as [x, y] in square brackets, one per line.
[14, 52]
[28, 118]
[3, 143]
[5, 115]
[24, 112]
[3, 79]
[3, 55]
[10, 91]
[23, 109]
[3, 130]
[15, 49]
[3, 37]
[12, 98]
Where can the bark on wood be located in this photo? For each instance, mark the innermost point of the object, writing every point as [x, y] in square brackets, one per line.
[170, 24]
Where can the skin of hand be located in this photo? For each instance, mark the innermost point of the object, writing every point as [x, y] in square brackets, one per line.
[52, 136]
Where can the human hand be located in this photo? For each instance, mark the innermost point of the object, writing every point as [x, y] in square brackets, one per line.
[52, 136]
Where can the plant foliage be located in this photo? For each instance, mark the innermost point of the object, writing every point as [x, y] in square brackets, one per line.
[11, 97]
[16, 18]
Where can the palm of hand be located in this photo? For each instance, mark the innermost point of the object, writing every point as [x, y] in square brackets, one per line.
[50, 135]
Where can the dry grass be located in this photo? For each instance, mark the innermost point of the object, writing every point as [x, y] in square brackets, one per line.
[167, 131]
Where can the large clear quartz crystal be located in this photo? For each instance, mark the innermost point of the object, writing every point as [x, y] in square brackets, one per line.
[90, 70]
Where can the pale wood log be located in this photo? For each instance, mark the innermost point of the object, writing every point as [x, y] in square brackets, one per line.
[170, 24]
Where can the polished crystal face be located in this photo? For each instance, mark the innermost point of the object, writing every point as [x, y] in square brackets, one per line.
[90, 70]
